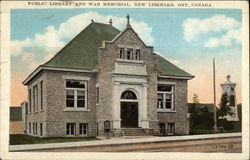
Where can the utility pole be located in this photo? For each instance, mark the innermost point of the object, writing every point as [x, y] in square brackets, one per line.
[215, 108]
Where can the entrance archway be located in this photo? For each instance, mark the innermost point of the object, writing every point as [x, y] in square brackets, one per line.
[129, 109]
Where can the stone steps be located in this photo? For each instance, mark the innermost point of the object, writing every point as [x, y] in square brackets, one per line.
[134, 132]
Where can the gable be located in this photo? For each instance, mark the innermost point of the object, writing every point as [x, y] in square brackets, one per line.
[129, 36]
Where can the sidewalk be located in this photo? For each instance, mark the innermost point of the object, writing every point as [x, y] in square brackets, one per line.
[119, 141]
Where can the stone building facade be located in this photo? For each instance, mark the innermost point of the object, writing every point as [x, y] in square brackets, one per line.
[104, 74]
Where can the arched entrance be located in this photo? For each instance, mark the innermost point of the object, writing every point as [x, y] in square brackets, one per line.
[129, 109]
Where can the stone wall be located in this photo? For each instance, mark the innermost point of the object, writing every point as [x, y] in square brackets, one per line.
[107, 58]
[179, 116]
[38, 115]
[58, 115]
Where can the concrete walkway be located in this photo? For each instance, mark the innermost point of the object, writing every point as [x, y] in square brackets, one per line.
[119, 141]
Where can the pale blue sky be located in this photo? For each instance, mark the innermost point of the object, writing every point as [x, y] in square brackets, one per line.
[167, 32]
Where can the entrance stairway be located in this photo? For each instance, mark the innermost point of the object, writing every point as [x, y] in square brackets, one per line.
[134, 132]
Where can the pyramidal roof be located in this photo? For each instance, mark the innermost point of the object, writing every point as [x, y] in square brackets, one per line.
[81, 51]
[167, 68]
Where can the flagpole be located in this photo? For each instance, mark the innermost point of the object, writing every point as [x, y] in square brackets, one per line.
[215, 108]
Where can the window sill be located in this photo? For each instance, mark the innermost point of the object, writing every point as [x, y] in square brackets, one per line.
[76, 110]
[164, 111]
[70, 135]
[130, 61]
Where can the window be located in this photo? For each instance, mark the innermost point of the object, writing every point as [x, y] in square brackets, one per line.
[29, 100]
[165, 97]
[170, 129]
[137, 55]
[162, 128]
[97, 95]
[34, 128]
[41, 129]
[29, 128]
[35, 98]
[26, 108]
[83, 128]
[76, 94]
[121, 53]
[41, 92]
[128, 95]
[129, 54]
[71, 129]
[97, 133]
[160, 100]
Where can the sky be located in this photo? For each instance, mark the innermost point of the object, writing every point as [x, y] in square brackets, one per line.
[189, 38]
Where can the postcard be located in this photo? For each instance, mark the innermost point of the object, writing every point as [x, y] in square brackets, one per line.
[124, 80]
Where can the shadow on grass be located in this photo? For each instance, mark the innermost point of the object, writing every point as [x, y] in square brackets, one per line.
[18, 139]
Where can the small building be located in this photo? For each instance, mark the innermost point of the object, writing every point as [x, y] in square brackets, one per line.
[107, 75]
[16, 120]
[228, 87]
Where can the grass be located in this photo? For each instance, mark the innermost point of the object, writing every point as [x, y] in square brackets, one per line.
[197, 132]
[18, 139]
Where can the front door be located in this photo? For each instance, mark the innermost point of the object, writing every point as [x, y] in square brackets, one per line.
[129, 114]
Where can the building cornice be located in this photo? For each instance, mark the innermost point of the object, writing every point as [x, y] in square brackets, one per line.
[41, 68]
[176, 77]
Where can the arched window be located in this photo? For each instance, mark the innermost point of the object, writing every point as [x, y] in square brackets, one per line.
[128, 95]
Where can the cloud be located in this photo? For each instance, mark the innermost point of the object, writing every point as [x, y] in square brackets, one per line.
[45, 45]
[225, 40]
[75, 24]
[28, 56]
[218, 30]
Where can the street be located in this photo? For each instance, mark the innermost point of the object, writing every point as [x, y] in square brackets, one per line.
[226, 145]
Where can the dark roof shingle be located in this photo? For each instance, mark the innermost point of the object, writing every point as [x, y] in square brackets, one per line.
[168, 69]
[81, 51]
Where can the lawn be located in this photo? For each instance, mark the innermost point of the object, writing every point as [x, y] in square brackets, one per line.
[26, 139]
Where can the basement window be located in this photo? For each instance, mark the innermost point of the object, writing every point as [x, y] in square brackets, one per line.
[162, 128]
[83, 128]
[71, 129]
[170, 128]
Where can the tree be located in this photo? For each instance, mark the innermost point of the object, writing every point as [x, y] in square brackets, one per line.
[239, 111]
[223, 111]
[201, 118]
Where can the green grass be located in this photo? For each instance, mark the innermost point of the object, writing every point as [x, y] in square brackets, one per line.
[197, 132]
[26, 139]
